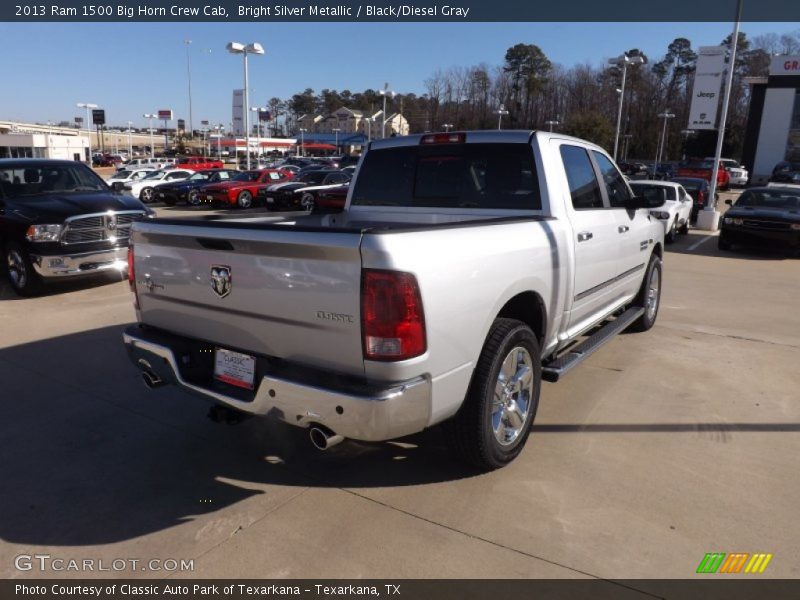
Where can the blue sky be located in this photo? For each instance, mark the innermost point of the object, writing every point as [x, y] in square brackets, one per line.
[133, 68]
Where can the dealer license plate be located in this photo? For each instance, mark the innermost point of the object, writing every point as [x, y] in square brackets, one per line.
[234, 368]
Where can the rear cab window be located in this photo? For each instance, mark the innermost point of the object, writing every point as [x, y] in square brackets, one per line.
[451, 175]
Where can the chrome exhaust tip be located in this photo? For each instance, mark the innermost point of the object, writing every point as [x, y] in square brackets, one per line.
[323, 438]
[151, 380]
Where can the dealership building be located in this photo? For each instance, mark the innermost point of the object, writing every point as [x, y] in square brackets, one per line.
[773, 124]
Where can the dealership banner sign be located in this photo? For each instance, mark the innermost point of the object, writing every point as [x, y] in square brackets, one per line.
[707, 85]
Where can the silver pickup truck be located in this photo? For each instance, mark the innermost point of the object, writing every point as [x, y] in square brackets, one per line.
[464, 270]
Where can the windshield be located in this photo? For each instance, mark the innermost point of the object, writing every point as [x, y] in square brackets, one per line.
[247, 176]
[770, 199]
[641, 189]
[313, 177]
[706, 164]
[124, 174]
[489, 176]
[31, 180]
[155, 175]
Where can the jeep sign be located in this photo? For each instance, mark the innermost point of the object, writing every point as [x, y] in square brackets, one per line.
[707, 83]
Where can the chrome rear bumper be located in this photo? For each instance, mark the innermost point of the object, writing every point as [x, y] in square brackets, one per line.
[375, 413]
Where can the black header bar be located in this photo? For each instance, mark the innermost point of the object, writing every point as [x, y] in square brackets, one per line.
[400, 10]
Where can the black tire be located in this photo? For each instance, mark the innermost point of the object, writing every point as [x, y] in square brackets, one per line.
[193, 198]
[146, 195]
[645, 297]
[308, 202]
[20, 272]
[471, 433]
[684, 229]
[245, 199]
[672, 234]
[724, 244]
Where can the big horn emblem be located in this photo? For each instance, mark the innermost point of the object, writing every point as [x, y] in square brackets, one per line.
[221, 281]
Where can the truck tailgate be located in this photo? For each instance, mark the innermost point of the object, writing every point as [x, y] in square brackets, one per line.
[291, 294]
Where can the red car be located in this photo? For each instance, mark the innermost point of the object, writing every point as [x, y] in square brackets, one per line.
[198, 163]
[332, 199]
[702, 170]
[241, 190]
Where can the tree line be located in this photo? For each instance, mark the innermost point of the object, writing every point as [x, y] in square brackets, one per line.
[581, 100]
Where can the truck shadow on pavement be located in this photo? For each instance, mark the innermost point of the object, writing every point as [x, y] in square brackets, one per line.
[90, 456]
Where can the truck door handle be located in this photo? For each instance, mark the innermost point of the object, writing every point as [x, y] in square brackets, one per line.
[585, 235]
[623, 229]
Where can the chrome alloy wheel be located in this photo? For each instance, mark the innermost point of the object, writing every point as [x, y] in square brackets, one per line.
[17, 270]
[653, 288]
[512, 396]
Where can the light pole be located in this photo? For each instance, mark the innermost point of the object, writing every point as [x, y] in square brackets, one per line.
[385, 92]
[660, 146]
[500, 112]
[219, 129]
[447, 127]
[336, 130]
[623, 60]
[552, 123]
[627, 137]
[88, 106]
[130, 140]
[708, 218]
[301, 150]
[369, 120]
[188, 43]
[258, 110]
[686, 133]
[151, 116]
[254, 48]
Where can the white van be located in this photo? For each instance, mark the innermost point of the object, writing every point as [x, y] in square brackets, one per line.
[158, 162]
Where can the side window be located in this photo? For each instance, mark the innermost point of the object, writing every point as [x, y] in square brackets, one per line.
[583, 186]
[615, 184]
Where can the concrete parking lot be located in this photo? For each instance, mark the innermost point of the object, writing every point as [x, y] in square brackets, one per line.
[662, 447]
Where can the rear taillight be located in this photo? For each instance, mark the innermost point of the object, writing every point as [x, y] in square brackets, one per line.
[392, 320]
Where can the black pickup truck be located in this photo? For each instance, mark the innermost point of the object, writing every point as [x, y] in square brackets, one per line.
[59, 220]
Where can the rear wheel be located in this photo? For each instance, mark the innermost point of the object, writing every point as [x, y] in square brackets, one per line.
[307, 202]
[672, 234]
[245, 199]
[492, 425]
[19, 268]
[146, 195]
[649, 296]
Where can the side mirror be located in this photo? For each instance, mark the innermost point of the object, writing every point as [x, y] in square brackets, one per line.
[650, 198]
[729, 202]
